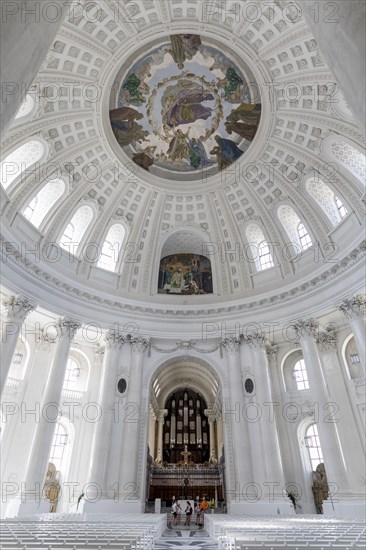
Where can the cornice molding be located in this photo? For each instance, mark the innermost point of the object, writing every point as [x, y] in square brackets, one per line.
[214, 311]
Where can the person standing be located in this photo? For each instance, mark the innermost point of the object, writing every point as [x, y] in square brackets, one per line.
[198, 512]
[204, 507]
[174, 513]
[188, 513]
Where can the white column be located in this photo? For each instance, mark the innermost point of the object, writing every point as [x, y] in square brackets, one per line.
[350, 441]
[173, 420]
[161, 415]
[267, 421]
[28, 29]
[220, 436]
[50, 408]
[152, 422]
[339, 29]
[18, 307]
[211, 425]
[131, 435]
[328, 434]
[251, 412]
[354, 310]
[120, 411]
[232, 414]
[107, 403]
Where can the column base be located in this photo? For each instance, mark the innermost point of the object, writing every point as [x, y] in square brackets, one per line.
[110, 506]
[345, 508]
[262, 508]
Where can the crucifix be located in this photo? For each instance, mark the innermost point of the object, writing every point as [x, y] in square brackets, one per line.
[185, 454]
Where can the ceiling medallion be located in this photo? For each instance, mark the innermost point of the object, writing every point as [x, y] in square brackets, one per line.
[185, 107]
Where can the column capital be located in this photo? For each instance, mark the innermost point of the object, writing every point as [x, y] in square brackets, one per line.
[153, 414]
[256, 341]
[231, 343]
[161, 415]
[114, 338]
[354, 307]
[140, 344]
[305, 328]
[210, 415]
[68, 327]
[327, 340]
[18, 307]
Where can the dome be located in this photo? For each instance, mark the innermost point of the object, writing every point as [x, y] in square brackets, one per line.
[175, 110]
[226, 159]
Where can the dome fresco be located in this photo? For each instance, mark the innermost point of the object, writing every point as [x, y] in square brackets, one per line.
[278, 225]
[185, 107]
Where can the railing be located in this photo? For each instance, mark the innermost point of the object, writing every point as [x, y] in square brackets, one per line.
[198, 475]
[173, 468]
[12, 383]
[73, 394]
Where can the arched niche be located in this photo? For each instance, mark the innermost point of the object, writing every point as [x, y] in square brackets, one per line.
[189, 250]
[174, 375]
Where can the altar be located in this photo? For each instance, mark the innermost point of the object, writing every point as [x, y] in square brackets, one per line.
[187, 482]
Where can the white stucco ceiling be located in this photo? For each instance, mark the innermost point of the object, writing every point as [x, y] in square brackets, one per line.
[161, 216]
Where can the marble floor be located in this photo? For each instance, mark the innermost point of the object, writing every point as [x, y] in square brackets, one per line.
[185, 538]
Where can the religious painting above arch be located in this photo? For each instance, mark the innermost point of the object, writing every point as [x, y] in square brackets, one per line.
[185, 274]
[185, 108]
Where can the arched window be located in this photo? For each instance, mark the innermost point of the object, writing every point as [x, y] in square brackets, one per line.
[26, 107]
[76, 229]
[295, 229]
[259, 247]
[312, 442]
[59, 442]
[112, 247]
[300, 375]
[341, 209]
[324, 196]
[352, 359]
[42, 203]
[305, 240]
[20, 160]
[349, 158]
[72, 374]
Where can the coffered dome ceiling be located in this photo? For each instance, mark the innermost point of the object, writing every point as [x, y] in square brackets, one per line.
[174, 131]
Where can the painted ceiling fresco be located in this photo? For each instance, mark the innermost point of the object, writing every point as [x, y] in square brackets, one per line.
[185, 107]
[185, 274]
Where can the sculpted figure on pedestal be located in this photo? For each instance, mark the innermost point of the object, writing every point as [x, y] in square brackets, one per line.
[320, 487]
[51, 489]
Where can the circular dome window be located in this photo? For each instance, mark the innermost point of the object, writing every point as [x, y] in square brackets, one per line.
[249, 385]
[122, 385]
[185, 107]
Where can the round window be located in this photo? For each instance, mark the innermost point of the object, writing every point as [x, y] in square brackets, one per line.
[249, 385]
[122, 385]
